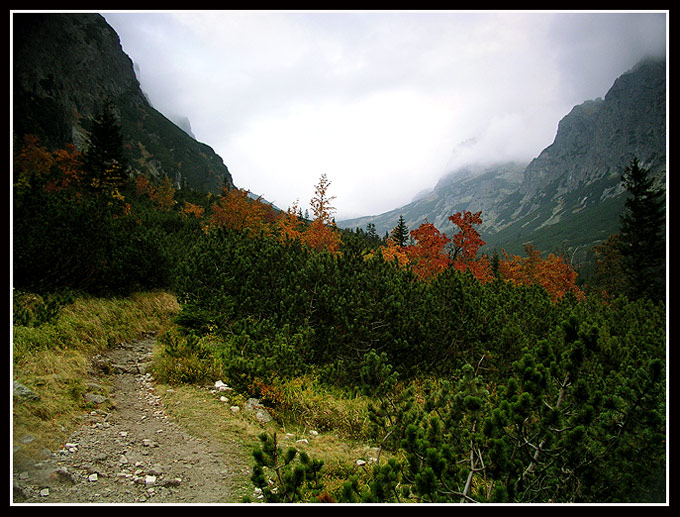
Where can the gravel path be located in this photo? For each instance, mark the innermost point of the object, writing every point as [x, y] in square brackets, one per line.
[131, 454]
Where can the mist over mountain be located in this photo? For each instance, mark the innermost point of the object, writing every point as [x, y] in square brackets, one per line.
[65, 66]
[570, 196]
[473, 188]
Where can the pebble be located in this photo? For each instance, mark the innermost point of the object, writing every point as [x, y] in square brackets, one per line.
[94, 398]
[23, 393]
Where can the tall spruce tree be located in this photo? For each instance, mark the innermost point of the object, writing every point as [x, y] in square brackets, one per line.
[104, 160]
[400, 233]
[643, 234]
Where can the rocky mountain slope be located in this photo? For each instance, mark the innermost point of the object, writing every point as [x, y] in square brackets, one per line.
[570, 196]
[65, 66]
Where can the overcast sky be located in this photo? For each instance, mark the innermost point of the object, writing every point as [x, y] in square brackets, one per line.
[383, 103]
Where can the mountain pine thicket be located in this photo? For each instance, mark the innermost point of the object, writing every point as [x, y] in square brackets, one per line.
[533, 389]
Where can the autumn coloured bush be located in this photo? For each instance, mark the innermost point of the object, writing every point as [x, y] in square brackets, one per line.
[431, 252]
[35, 165]
[552, 273]
[235, 210]
[427, 256]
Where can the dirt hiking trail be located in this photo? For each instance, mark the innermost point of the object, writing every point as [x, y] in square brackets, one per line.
[132, 453]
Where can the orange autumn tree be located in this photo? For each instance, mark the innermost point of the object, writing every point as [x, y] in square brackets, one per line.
[289, 224]
[392, 251]
[68, 163]
[553, 273]
[163, 196]
[35, 165]
[466, 244]
[322, 233]
[143, 186]
[236, 210]
[427, 254]
[191, 209]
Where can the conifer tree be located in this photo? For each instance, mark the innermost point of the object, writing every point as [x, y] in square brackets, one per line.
[104, 160]
[643, 241]
[400, 233]
[371, 234]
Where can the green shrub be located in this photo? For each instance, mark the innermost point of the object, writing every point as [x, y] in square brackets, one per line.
[185, 359]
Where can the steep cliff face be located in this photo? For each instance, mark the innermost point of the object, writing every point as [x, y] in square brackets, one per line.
[571, 194]
[575, 136]
[598, 138]
[65, 66]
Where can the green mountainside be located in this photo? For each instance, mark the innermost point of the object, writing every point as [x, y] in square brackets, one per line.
[65, 66]
[471, 188]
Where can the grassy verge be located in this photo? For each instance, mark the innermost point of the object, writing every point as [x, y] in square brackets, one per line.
[203, 415]
[52, 357]
[308, 416]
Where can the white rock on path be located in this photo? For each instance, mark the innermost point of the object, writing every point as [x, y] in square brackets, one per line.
[220, 386]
